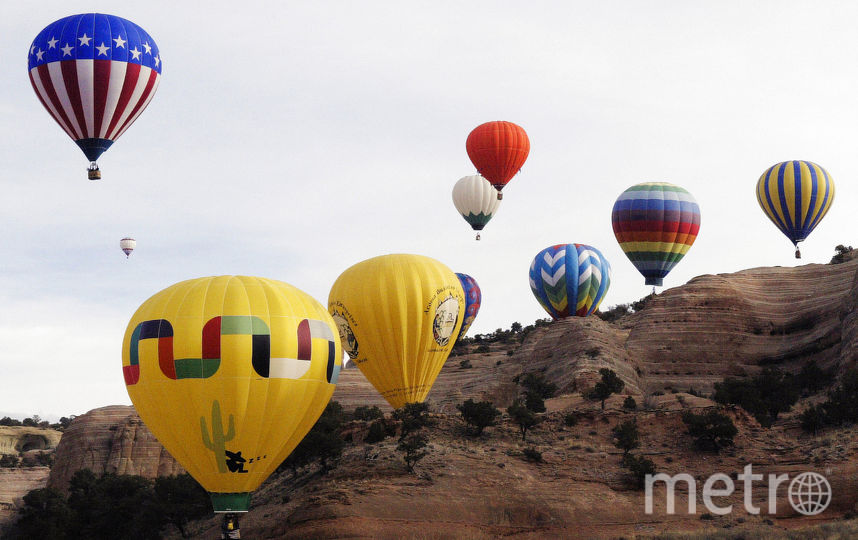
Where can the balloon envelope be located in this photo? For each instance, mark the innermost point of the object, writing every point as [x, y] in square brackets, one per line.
[399, 316]
[127, 245]
[655, 224]
[795, 195]
[570, 279]
[498, 150]
[476, 200]
[230, 373]
[473, 298]
[94, 73]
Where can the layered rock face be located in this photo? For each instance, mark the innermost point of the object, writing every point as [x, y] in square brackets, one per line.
[20, 439]
[111, 439]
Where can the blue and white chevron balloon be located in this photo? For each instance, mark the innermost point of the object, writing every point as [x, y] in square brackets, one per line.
[570, 279]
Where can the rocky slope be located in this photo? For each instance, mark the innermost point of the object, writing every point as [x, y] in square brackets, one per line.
[687, 337]
[23, 442]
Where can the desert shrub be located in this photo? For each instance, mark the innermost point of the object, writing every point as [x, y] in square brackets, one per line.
[367, 413]
[813, 419]
[630, 403]
[413, 448]
[478, 415]
[640, 467]
[571, 419]
[412, 417]
[532, 454]
[377, 432]
[523, 417]
[609, 384]
[711, 431]
[324, 442]
[465, 364]
[841, 254]
[765, 395]
[626, 436]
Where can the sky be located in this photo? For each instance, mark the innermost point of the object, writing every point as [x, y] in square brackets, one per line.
[291, 140]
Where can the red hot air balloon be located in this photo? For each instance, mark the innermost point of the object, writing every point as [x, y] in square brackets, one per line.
[498, 150]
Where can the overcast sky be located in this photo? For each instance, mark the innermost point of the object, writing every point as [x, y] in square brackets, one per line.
[292, 140]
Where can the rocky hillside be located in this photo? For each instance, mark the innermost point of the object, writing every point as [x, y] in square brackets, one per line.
[22, 444]
[111, 439]
[687, 337]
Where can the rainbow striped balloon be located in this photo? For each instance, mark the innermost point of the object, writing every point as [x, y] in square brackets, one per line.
[655, 223]
[795, 195]
[570, 279]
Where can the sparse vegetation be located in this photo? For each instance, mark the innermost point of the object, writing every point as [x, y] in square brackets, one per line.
[841, 254]
[626, 437]
[610, 384]
[324, 442]
[478, 415]
[413, 448]
[523, 417]
[367, 414]
[111, 506]
[630, 403]
[711, 431]
[532, 454]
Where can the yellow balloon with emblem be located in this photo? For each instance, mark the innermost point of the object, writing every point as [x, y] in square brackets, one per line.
[230, 373]
[398, 318]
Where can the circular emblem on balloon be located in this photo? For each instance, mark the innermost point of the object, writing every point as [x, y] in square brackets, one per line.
[229, 373]
[404, 311]
[446, 317]
[570, 279]
[655, 224]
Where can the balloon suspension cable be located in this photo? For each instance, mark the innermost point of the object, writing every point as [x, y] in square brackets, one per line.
[478, 236]
[93, 172]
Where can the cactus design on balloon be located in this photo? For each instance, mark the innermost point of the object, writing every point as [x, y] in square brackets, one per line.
[217, 442]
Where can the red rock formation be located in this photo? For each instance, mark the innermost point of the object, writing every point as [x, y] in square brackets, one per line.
[111, 439]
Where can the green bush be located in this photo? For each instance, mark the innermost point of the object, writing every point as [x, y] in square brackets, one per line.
[478, 415]
[532, 454]
[711, 431]
[367, 413]
[630, 403]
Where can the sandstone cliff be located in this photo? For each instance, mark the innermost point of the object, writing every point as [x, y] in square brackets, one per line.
[111, 439]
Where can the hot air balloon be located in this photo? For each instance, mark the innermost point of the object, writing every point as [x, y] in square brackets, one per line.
[127, 245]
[473, 297]
[570, 279]
[402, 314]
[230, 373]
[498, 150]
[655, 223]
[94, 74]
[476, 200]
[795, 195]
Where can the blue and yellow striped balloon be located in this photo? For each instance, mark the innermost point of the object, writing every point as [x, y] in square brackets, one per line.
[795, 195]
[570, 279]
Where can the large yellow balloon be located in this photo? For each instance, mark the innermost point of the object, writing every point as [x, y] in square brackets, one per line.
[230, 373]
[398, 317]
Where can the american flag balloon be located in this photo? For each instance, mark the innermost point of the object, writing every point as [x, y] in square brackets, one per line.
[95, 74]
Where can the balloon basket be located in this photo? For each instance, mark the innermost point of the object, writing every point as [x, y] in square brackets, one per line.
[230, 502]
[797, 253]
[93, 172]
[478, 236]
